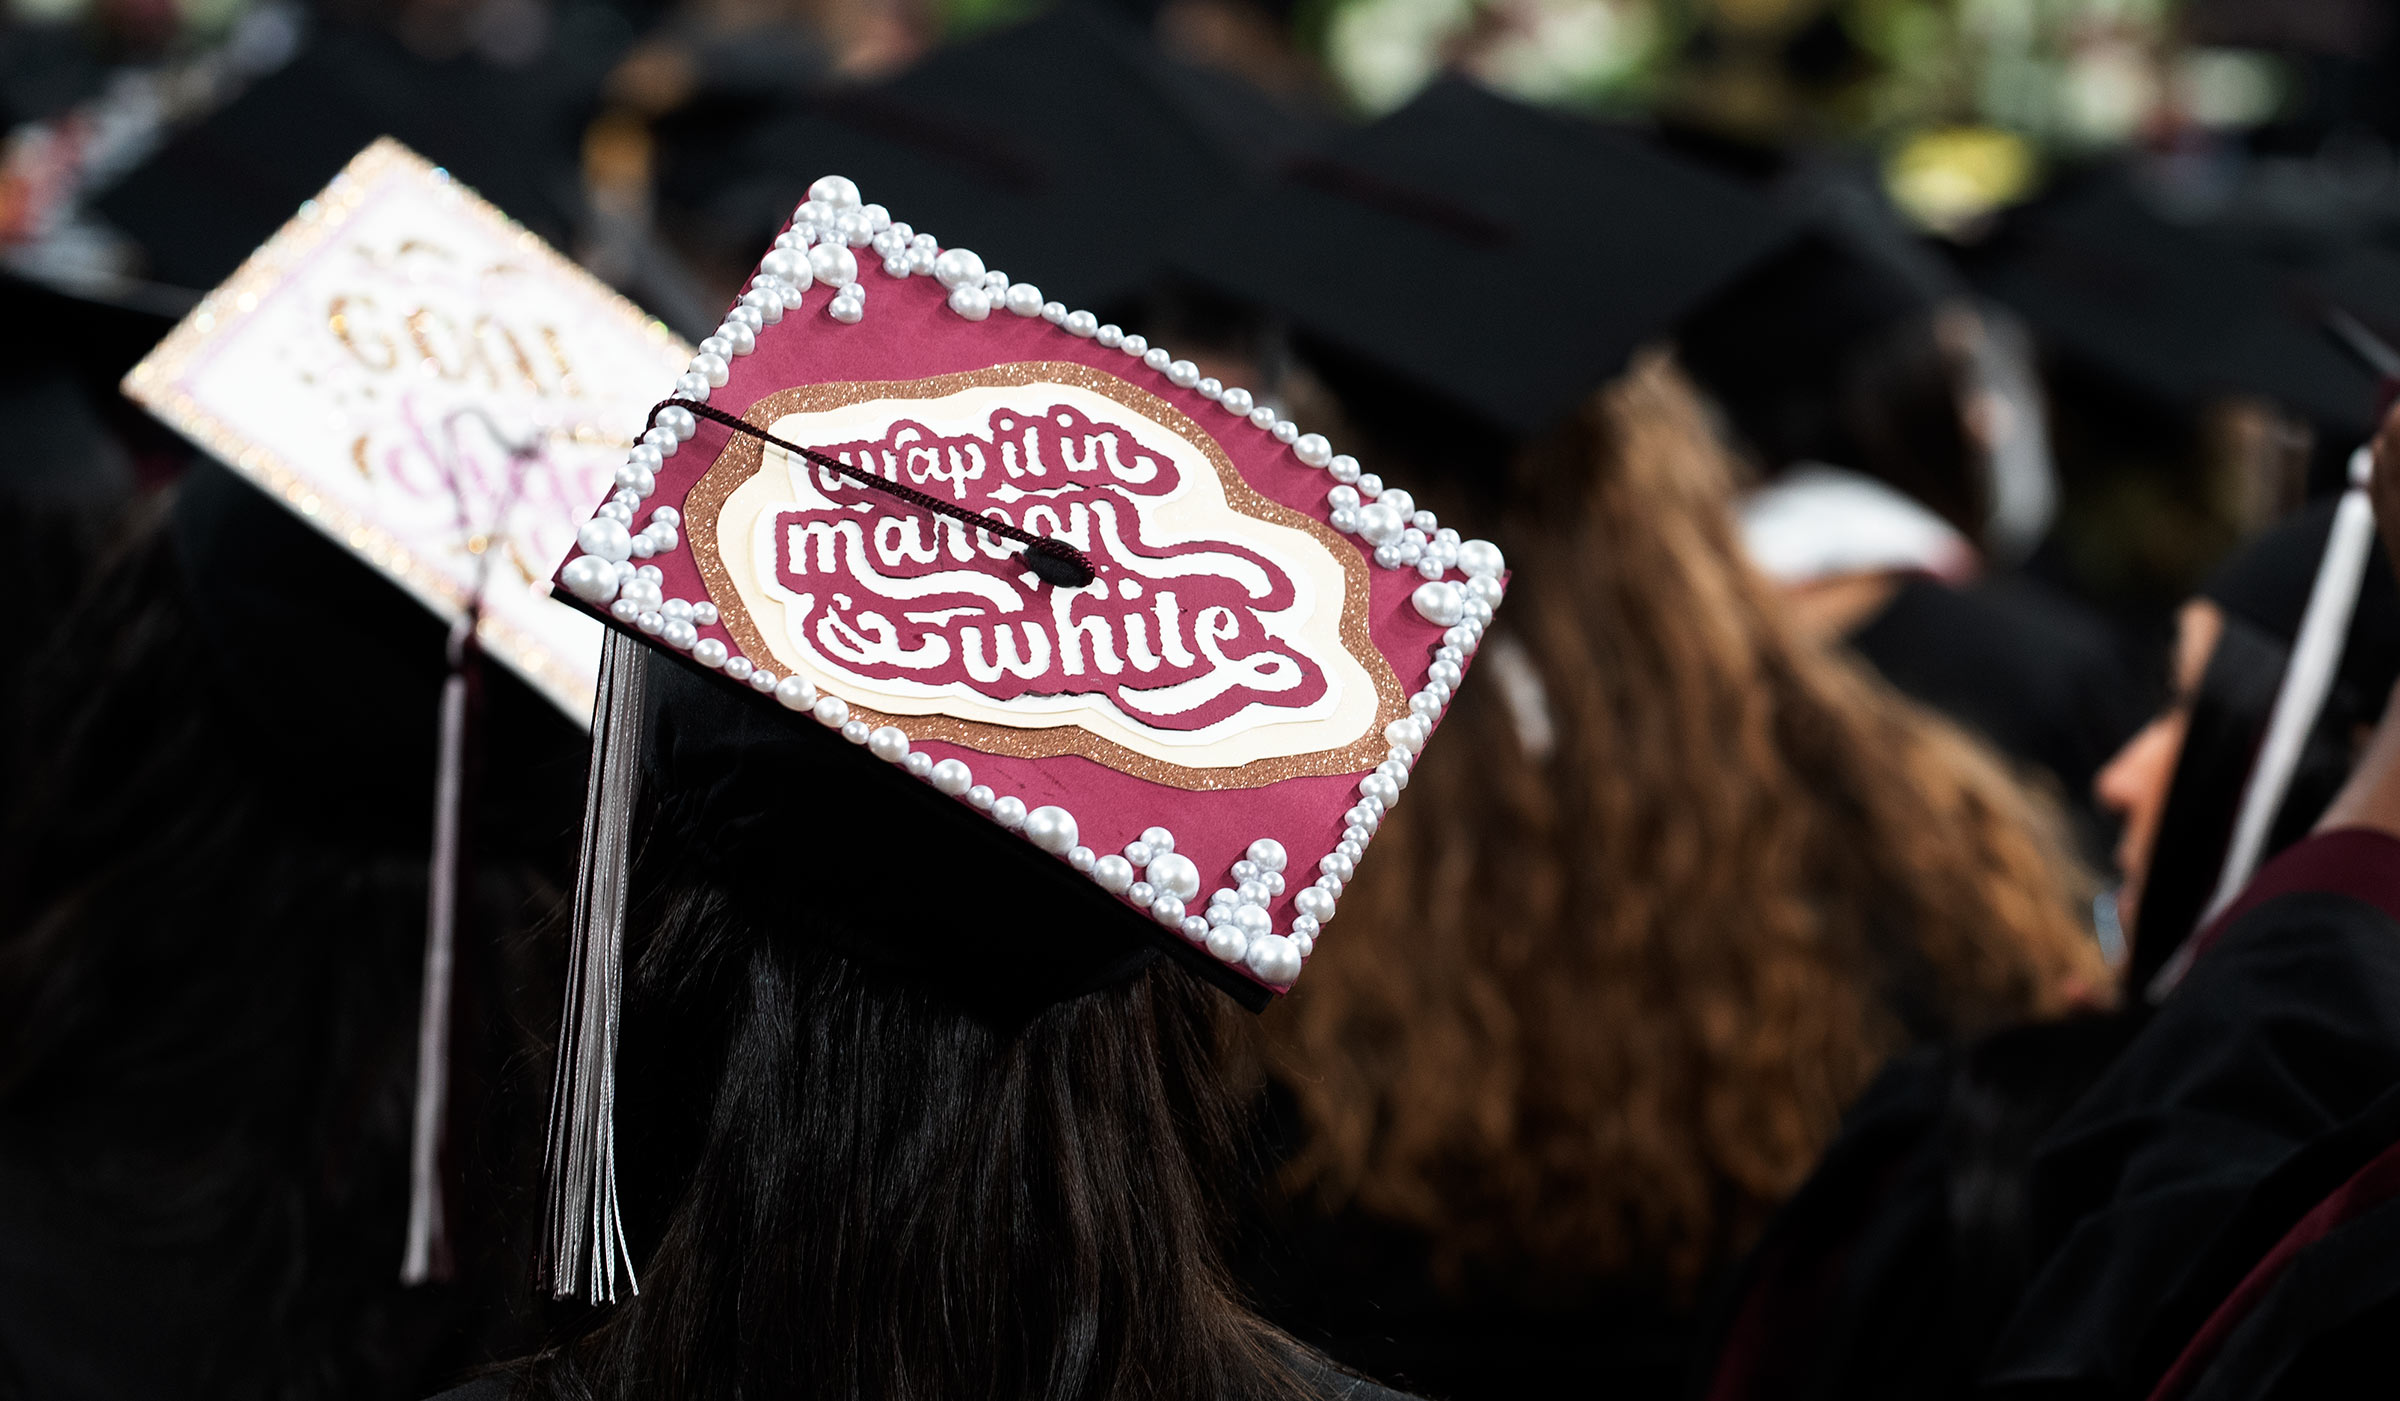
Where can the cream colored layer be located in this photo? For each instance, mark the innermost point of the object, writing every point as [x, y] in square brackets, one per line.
[1197, 510]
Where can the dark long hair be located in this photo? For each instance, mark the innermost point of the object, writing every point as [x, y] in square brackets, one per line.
[860, 1188]
[211, 931]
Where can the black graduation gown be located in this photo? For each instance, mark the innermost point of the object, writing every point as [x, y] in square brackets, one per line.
[1364, 1291]
[1320, 1380]
[1964, 1225]
[2302, 1290]
[2288, 1026]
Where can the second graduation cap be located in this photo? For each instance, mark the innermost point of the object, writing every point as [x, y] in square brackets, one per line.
[1147, 660]
[1505, 259]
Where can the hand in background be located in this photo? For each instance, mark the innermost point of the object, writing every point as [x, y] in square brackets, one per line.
[2384, 487]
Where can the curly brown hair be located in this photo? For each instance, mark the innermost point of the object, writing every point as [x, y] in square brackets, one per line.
[1600, 996]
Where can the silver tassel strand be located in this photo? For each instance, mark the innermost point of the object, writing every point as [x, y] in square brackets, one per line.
[426, 1256]
[585, 1236]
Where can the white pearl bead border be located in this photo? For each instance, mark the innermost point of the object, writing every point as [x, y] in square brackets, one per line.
[1237, 927]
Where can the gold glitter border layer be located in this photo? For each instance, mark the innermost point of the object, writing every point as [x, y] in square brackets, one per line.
[157, 385]
[744, 456]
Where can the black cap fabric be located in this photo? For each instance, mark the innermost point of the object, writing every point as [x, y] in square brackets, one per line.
[1504, 258]
[2172, 311]
[217, 190]
[1067, 151]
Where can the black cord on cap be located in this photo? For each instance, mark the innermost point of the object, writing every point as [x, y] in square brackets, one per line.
[1054, 562]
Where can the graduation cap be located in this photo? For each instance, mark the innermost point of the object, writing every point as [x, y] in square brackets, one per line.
[219, 188]
[1494, 257]
[1069, 656]
[430, 387]
[1073, 147]
[2170, 310]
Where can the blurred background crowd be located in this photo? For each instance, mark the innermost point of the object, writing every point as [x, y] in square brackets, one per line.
[1869, 393]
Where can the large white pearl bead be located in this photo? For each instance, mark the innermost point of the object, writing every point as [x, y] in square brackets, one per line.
[834, 190]
[1081, 858]
[1009, 812]
[981, 797]
[591, 577]
[1481, 557]
[833, 265]
[711, 367]
[1052, 829]
[1081, 323]
[1486, 587]
[1313, 902]
[1437, 602]
[1313, 449]
[1379, 786]
[738, 336]
[1175, 874]
[1237, 401]
[1168, 910]
[739, 668]
[888, 743]
[1183, 374]
[766, 301]
[831, 712]
[709, 652]
[1251, 920]
[1268, 853]
[1379, 524]
[1025, 299]
[958, 267]
[1274, 959]
[783, 264]
[796, 693]
[609, 539]
[972, 303]
[1407, 732]
[952, 777]
[1112, 873]
[1228, 944]
[918, 763]
[1158, 839]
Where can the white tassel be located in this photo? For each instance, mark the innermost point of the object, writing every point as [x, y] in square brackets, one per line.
[426, 1256]
[2307, 679]
[586, 1243]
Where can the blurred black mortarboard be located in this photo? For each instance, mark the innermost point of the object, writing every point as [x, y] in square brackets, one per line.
[1502, 260]
[219, 189]
[1072, 148]
[2172, 311]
